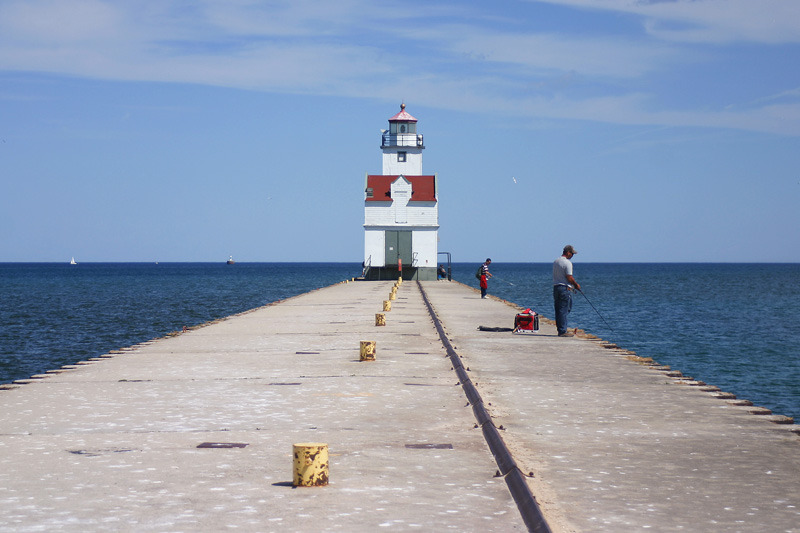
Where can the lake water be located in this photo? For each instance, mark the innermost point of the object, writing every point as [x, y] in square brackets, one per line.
[736, 326]
[732, 325]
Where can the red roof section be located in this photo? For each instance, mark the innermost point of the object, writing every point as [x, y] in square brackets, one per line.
[402, 116]
[423, 188]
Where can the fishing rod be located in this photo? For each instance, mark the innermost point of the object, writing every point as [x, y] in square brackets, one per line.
[596, 311]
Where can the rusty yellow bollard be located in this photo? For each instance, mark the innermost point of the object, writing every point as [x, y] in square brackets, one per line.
[368, 350]
[380, 319]
[310, 464]
[387, 305]
[392, 295]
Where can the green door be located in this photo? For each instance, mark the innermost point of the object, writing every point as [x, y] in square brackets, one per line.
[398, 246]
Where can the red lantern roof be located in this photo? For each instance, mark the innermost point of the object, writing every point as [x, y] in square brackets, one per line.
[402, 116]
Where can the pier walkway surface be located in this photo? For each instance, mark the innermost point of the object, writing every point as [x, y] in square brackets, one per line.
[194, 432]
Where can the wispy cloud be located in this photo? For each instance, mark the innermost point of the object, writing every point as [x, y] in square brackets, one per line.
[707, 21]
[791, 94]
[547, 52]
[446, 56]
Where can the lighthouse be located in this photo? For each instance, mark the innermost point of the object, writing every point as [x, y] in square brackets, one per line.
[401, 208]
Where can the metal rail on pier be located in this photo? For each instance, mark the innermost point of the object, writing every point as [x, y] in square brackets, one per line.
[515, 479]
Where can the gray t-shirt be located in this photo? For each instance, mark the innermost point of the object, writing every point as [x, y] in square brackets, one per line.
[562, 267]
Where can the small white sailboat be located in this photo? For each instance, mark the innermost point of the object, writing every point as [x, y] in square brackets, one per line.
[72, 261]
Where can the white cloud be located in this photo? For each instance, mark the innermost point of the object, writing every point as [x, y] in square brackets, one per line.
[613, 57]
[783, 95]
[709, 21]
[437, 55]
[51, 22]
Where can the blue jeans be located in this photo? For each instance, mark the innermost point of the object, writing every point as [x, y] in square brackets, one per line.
[562, 301]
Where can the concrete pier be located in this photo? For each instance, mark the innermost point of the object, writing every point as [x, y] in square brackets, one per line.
[195, 432]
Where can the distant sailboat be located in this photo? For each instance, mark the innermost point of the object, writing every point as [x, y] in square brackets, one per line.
[72, 261]
[230, 260]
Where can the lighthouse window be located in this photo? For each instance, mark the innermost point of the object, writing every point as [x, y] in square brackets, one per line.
[402, 128]
[401, 157]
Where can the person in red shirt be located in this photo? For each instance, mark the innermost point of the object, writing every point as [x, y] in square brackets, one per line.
[485, 275]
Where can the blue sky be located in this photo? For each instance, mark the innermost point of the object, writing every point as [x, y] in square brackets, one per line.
[166, 130]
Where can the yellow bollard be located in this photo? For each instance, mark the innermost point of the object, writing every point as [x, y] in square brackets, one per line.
[368, 350]
[387, 305]
[392, 295]
[310, 464]
[380, 319]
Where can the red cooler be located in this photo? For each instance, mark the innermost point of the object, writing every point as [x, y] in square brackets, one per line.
[526, 322]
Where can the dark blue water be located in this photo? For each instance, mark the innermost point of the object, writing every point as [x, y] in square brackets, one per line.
[732, 325]
[56, 314]
[736, 326]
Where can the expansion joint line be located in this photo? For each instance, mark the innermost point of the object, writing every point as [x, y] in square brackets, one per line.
[515, 479]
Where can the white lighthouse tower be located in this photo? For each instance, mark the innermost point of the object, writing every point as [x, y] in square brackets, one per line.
[401, 208]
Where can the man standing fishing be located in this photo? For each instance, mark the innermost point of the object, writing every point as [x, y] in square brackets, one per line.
[563, 284]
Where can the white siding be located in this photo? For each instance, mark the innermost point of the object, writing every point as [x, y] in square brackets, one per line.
[426, 214]
[411, 167]
[374, 246]
[425, 246]
[378, 215]
[423, 215]
[401, 194]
